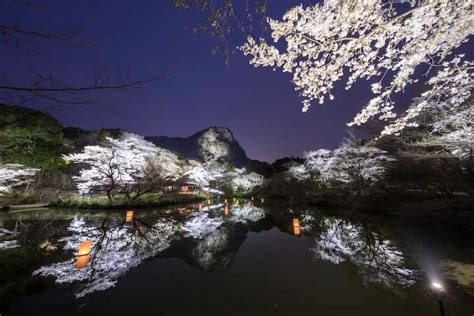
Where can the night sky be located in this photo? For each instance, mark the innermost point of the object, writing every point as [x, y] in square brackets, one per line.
[259, 105]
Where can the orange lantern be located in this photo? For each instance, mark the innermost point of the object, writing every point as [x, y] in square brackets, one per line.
[296, 226]
[226, 210]
[83, 254]
[129, 217]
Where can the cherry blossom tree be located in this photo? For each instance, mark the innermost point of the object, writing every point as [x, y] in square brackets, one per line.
[243, 181]
[202, 176]
[351, 163]
[369, 40]
[359, 165]
[129, 164]
[445, 111]
[14, 175]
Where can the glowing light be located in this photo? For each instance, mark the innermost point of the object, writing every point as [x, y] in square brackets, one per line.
[200, 207]
[262, 200]
[225, 201]
[437, 286]
[83, 254]
[250, 204]
[252, 198]
[226, 210]
[129, 217]
[296, 226]
[209, 202]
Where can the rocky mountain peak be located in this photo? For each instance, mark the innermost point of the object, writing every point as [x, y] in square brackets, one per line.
[213, 145]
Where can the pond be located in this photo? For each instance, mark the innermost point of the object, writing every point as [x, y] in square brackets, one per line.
[244, 257]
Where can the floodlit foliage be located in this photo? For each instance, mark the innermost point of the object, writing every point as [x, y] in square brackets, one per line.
[241, 181]
[445, 111]
[375, 40]
[351, 163]
[359, 164]
[127, 164]
[14, 175]
[201, 176]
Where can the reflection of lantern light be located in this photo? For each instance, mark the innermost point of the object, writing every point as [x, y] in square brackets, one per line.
[296, 226]
[129, 217]
[83, 254]
[262, 200]
[226, 210]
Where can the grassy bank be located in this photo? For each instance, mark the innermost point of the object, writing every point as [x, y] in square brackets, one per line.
[17, 199]
[121, 202]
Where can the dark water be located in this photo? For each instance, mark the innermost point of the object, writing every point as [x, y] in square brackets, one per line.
[246, 259]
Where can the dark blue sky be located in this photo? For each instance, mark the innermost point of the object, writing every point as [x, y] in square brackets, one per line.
[257, 104]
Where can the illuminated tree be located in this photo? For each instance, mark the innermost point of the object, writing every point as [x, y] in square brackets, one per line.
[243, 181]
[369, 40]
[14, 175]
[351, 163]
[128, 164]
[445, 111]
[359, 165]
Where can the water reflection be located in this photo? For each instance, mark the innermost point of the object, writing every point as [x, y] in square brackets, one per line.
[7, 240]
[115, 250]
[296, 226]
[107, 250]
[101, 250]
[83, 254]
[376, 259]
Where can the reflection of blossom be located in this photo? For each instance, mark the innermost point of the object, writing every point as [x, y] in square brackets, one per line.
[212, 250]
[378, 261]
[200, 225]
[115, 251]
[8, 244]
[307, 221]
[245, 214]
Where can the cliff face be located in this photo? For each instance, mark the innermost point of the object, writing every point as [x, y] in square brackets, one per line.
[214, 145]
